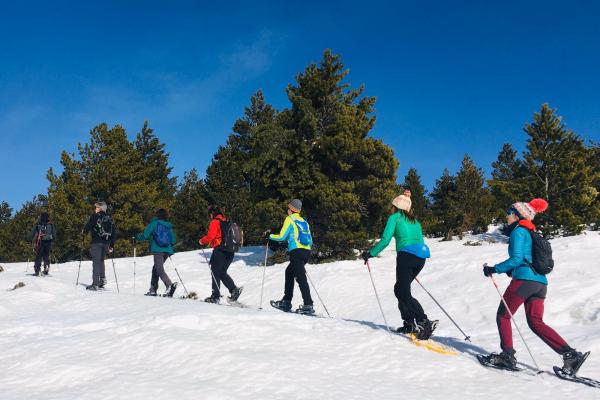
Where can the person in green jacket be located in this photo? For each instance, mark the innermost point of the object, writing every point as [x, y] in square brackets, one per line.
[410, 260]
[162, 238]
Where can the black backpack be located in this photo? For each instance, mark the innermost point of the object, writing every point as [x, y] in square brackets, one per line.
[45, 232]
[104, 226]
[232, 236]
[541, 252]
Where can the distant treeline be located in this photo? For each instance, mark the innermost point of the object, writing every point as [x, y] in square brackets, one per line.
[319, 150]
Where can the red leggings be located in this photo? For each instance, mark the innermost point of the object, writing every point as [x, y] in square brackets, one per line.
[532, 294]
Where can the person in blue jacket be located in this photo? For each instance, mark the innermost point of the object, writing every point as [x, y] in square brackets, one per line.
[296, 232]
[162, 238]
[527, 287]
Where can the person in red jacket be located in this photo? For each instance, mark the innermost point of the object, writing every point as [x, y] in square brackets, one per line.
[220, 260]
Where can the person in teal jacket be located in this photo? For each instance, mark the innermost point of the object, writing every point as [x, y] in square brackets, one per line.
[526, 287]
[296, 232]
[162, 237]
[410, 260]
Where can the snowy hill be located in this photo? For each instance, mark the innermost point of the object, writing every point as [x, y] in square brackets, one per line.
[58, 341]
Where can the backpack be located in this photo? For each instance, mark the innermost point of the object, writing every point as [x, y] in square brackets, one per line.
[45, 232]
[232, 236]
[162, 235]
[304, 235]
[541, 252]
[104, 227]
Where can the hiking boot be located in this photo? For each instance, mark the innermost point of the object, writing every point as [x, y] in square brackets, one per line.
[407, 328]
[283, 305]
[92, 287]
[573, 360]
[424, 329]
[171, 290]
[506, 359]
[151, 292]
[102, 283]
[306, 309]
[36, 273]
[212, 299]
[46, 270]
[235, 294]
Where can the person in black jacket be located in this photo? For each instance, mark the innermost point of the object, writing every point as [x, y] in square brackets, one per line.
[42, 234]
[102, 228]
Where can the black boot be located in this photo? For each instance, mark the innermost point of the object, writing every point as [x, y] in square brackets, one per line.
[283, 305]
[505, 360]
[171, 290]
[102, 283]
[407, 328]
[573, 360]
[92, 287]
[46, 269]
[306, 309]
[424, 328]
[151, 292]
[235, 294]
[214, 298]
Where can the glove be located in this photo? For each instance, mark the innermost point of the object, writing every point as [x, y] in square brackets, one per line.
[488, 271]
[110, 249]
[266, 234]
[366, 255]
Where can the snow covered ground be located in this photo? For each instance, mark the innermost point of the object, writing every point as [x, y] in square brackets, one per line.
[58, 341]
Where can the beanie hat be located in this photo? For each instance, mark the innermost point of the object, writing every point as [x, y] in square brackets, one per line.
[101, 205]
[403, 201]
[529, 210]
[295, 205]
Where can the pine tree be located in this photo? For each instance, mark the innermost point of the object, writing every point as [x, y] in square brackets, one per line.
[189, 214]
[5, 218]
[558, 169]
[507, 183]
[110, 168]
[16, 231]
[446, 219]
[471, 201]
[420, 204]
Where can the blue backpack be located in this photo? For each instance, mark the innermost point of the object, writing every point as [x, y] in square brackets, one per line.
[304, 235]
[162, 235]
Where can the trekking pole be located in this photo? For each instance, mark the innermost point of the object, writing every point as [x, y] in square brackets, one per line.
[378, 301]
[539, 371]
[179, 276]
[80, 260]
[321, 300]
[467, 338]
[115, 271]
[27, 265]
[262, 286]
[134, 256]
[210, 268]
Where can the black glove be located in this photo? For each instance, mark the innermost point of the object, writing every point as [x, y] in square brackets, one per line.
[266, 234]
[366, 255]
[488, 271]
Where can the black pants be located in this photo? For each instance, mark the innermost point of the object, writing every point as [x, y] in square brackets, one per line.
[219, 264]
[298, 259]
[408, 267]
[98, 252]
[43, 252]
[158, 270]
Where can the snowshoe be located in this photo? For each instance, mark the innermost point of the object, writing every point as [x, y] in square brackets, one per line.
[235, 294]
[504, 360]
[283, 305]
[92, 287]
[151, 292]
[573, 361]
[171, 290]
[306, 309]
[102, 283]
[46, 270]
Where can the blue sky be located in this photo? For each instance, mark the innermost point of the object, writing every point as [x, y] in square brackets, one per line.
[450, 77]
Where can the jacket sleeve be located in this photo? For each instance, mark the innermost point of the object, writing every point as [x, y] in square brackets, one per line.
[147, 234]
[517, 258]
[214, 232]
[89, 224]
[285, 232]
[173, 236]
[386, 237]
[31, 234]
